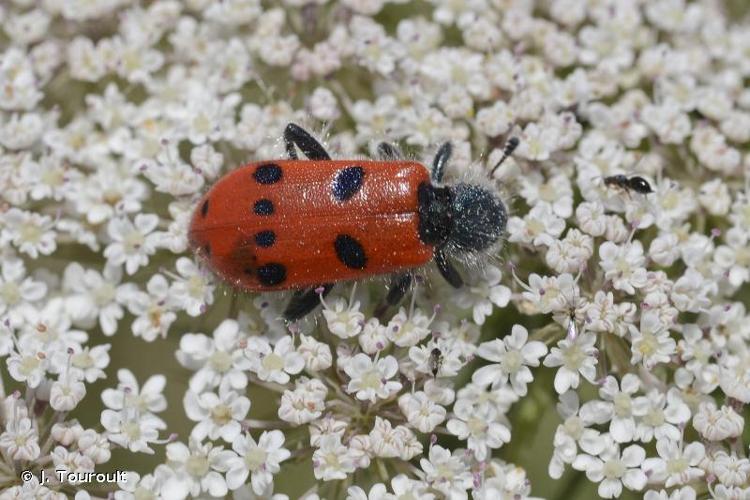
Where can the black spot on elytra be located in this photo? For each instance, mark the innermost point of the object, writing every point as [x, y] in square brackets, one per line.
[271, 274]
[350, 252]
[265, 238]
[267, 174]
[204, 208]
[263, 207]
[348, 181]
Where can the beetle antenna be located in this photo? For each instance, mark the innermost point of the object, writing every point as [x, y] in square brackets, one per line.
[510, 146]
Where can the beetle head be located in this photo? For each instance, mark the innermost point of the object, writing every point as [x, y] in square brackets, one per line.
[479, 217]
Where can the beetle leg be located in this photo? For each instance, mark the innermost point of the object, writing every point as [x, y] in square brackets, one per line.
[441, 159]
[388, 151]
[447, 270]
[294, 135]
[304, 301]
[398, 288]
[290, 148]
[400, 284]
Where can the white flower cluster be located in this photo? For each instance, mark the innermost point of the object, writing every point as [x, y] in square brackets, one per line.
[115, 115]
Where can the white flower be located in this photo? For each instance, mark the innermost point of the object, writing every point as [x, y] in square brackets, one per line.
[651, 342]
[50, 328]
[404, 487]
[406, 330]
[192, 291]
[664, 249]
[730, 470]
[206, 117]
[513, 357]
[17, 291]
[305, 403]
[329, 425]
[574, 357]
[612, 470]
[555, 191]
[218, 416]
[624, 265]
[170, 175]
[259, 460]
[30, 232]
[552, 293]
[449, 360]
[369, 379]
[153, 310]
[421, 412]
[619, 402]
[132, 242]
[677, 464]
[668, 121]
[494, 120]
[715, 197]
[539, 227]
[481, 430]
[718, 424]
[360, 450]
[387, 441]
[481, 295]
[110, 191]
[274, 364]
[28, 365]
[445, 472]
[20, 440]
[196, 469]
[93, 295]
[132, 431]
[735, 376]
[88, 363]
[343, 320]
[660, 416]
[95, 446]
[20, 89]
[723, 492]
[410, 446]
[537, 143]
[331, 460]
[373, 337]
[734, 257]
[67, 432]
[673, 204]
[66, 393]
[573, 433]
[322, 104]
[603, 315]
[692, 291]
[570, 254]
[317, 355]
[217, 361]
[502, 480]
[206, 160]
[71, 461]
[136, 486]
[590, 218]
[129, 395]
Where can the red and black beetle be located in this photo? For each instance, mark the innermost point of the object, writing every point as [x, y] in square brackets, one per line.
[306, 224]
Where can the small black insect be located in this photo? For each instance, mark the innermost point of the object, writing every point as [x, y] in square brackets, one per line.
[436, 361]
[572, 329]
[635, 183]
